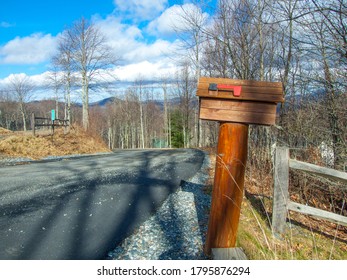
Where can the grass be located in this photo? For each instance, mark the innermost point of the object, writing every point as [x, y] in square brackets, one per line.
[24, 144]
[306, 238]
[298, 243]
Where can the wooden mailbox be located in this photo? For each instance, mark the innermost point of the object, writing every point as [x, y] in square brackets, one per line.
[239, 101]
[235, 104]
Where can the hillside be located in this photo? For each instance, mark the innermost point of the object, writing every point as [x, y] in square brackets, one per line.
[44, 144]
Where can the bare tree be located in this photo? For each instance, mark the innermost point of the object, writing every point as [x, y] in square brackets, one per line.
[8, 109]
[55, 81]
[89, 55]
[138, 90]
[325, 36]
[185, 91]
[189, 29]
[167, 123]
[63, 62]
[21, 87]
[334, 14]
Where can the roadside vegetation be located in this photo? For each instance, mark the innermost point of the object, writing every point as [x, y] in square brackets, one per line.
[45, 143]
[306, 238]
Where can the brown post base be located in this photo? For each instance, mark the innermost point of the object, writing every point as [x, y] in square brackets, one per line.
[228, 186]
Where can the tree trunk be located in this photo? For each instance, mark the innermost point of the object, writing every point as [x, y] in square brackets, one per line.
[68, 93]
[142, 123]
[166, 120]
[21, 108]
[334, 121]
[85, 102]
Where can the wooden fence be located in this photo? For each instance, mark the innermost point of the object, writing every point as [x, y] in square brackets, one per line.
[281, 200]
[48, 122]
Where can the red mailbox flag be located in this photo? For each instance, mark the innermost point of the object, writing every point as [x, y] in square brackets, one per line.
[235, 89]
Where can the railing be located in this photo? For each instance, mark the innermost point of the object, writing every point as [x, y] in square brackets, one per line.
[281, 201]
[40, 121]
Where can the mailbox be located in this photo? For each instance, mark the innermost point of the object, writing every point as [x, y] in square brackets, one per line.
[235, 103]
[240, 101]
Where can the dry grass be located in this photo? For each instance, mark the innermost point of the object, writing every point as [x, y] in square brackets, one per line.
[306, 238]
[4, 131]
[21, 144]
[299, 243]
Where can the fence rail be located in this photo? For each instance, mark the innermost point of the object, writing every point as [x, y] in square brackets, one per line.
[281, 200]
[47, 122]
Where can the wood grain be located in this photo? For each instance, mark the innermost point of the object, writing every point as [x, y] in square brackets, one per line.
[228, 186]
[247, 112]
[319, 170]
[318, 213]
[251, 90]
[280, 191]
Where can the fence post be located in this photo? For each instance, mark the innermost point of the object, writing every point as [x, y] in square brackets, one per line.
[33, 123]
[280, 191]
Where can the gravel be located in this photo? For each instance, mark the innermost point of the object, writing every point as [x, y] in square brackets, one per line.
[5, 161]
[177, 230]
[10, 161]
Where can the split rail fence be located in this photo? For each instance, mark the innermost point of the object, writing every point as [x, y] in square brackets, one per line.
[281, 199]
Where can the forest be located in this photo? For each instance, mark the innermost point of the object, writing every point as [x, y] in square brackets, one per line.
[302, 44]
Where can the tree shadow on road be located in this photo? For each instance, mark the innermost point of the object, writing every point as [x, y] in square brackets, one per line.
[91, 214]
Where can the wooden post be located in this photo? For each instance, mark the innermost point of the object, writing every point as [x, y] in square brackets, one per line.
[33, 123]
[228, 186]
[236, 104]
[280, 191]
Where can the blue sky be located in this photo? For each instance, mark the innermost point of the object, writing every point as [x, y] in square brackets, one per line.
[139, 31]
[38, 21]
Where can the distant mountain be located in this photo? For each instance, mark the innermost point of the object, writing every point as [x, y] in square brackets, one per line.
[159, 103]
[103, 102]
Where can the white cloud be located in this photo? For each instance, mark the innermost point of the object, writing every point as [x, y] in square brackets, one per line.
[137, 55]
[38, 80]
[121, 37]
[141, 10]
[34, 49]
[140, 56]
[128, 42]
[177, 18]
[147, 70]
[153, 52]
[20, 76]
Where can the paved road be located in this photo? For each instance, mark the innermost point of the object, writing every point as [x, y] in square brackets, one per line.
[82, 208]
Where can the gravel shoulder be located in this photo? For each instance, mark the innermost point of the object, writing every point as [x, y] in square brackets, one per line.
[177, 230]
[11, 161]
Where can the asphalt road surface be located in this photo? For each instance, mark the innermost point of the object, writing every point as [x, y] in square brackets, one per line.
[81, 208]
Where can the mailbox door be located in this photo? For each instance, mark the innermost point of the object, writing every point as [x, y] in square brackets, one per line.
[239, 111]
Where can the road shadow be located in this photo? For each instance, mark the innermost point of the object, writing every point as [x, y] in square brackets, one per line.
[89, 215]
[176, 231]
